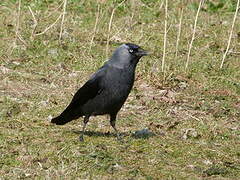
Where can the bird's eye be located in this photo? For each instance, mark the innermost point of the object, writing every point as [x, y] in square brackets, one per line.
[131, 50]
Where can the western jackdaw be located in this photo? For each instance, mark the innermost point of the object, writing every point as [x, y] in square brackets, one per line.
[107, 90]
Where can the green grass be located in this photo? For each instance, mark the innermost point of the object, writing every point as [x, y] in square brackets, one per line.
[193, 114]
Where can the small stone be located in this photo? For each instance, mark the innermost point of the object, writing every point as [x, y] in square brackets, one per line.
[143, 133]
[49, 118]
[191, 132]
[207, 162]
[53, 52]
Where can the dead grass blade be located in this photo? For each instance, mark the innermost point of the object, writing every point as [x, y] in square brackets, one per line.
[230, 35]
[193, 35]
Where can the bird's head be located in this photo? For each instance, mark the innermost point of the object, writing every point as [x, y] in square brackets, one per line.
[128, 54]
[135, 50]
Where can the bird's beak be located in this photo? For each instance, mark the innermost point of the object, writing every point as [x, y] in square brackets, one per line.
[142, 52]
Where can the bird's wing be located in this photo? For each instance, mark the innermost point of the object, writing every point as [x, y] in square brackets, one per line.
[90, 89]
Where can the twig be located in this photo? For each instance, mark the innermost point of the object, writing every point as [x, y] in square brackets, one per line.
[118, 31]
[63, 17]
[230, 35]
[109, 27]
[35, 22]
[53, 11]
[18, 16]
[49, 27]
[95, 27]
[161, 5]
[132, 15]
[193, 35]
[179, 31]
[18, 24]
[21, 39]
[165, 35]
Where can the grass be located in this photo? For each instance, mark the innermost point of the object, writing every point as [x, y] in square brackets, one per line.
[193, 114]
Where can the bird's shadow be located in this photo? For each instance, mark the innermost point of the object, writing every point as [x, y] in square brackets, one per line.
[111, 134]
[100, 134]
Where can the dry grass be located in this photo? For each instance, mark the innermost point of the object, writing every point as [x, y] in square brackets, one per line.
[194, 115]
[165, 36]
[193, 33]
[230, 34]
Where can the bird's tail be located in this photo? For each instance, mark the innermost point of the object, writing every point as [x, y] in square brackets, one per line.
[69, 114]
[60, 120]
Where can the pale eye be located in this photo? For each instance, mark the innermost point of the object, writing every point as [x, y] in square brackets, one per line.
[130, 50]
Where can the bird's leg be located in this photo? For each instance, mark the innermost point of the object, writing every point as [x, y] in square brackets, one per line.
[85, 121]
[112, 122]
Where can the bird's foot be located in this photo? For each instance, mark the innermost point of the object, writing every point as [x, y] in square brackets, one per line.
[81, 138]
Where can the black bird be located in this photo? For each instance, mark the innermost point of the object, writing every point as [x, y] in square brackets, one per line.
[107, 90]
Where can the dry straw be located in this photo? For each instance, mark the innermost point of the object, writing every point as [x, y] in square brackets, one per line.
[165, 36]
[193, 35]
[179, 31]
[17, 31]
[230, 35]
[95, 27]
[109, 30]
[63, 17]
[35, 23]
[49, 27]
[110, 25]
[18, 18]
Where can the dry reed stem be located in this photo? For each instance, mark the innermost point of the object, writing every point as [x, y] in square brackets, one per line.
[161, 5]
[230, 35]
[63, 17]
[109, 27]
[193, 35]
[18, 25]
[18, 17]
[21, 39]
[49, 27]
[35, 23]
[179, 31]
[118, 31]
[109, 30]
[95, 27]
[55, 10]
[165, 35]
